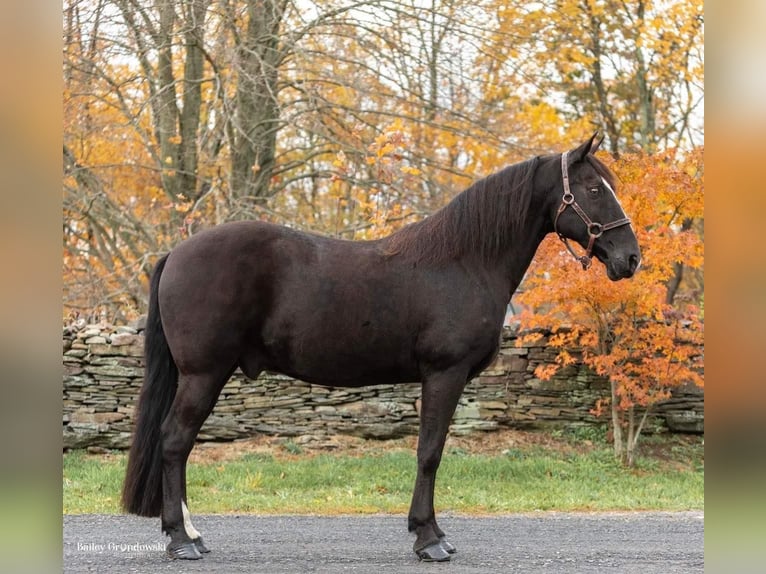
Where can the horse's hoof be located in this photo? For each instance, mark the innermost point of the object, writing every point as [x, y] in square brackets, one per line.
[449, 548]
[433, 553]
[183, 551]
[204, 549]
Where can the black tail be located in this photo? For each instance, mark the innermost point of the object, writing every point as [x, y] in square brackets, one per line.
[142, 491]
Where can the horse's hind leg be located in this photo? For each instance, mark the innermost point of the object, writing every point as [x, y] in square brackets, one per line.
[195, 398]
[440, 395]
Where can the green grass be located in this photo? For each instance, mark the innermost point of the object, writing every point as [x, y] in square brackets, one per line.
[671, 477]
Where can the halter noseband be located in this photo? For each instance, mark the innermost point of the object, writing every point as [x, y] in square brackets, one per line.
[595, 230]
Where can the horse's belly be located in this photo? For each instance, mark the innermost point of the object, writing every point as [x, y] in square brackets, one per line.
[340, 360]
[346, 373]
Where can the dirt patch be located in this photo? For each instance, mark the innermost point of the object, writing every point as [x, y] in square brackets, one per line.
[677, 452]
[478, 443]
[498, 441]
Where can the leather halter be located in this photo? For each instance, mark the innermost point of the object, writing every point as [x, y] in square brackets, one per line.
[595, 229]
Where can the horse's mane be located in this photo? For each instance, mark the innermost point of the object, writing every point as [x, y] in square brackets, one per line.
[479, 220]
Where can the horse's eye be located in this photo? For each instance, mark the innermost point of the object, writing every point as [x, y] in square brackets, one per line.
[594, 191]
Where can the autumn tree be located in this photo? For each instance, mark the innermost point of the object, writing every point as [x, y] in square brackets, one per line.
[180, 115]
[629, 331]
[635, 70]
[635, 67]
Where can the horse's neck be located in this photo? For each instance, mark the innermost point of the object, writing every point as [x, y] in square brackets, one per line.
[520, 251]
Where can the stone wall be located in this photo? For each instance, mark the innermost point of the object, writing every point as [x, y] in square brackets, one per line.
[103, 370]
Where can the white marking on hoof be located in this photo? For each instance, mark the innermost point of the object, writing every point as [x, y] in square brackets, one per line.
[188, 526]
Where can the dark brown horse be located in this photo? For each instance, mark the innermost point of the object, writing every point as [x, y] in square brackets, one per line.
[423, 304]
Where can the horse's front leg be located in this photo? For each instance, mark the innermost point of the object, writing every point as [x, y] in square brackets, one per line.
[440, 395]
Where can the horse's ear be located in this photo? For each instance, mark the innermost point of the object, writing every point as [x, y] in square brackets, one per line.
[597, 142]
[579, 153]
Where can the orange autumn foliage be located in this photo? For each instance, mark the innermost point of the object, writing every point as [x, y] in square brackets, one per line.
[628, 331]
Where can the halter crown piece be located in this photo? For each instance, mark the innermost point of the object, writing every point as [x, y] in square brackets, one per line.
[595, 230]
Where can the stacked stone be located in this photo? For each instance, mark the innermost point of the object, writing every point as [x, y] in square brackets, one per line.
[278, 405]
[103, 372]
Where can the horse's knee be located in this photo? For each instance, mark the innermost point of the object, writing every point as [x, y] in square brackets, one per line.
[429, 461]
[169, 436]
[176, 443]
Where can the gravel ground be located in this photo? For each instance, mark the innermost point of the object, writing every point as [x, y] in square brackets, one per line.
[643, 542]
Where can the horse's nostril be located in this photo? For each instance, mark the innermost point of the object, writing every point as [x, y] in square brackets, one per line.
[633, 262]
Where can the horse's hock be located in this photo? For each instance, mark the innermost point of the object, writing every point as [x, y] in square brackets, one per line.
[103, 372]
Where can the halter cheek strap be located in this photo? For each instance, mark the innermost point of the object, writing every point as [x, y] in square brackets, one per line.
[595, 229]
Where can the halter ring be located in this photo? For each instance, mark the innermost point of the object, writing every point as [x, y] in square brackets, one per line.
[599, 230]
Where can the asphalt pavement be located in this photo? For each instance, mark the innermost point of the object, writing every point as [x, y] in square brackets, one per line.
[624, 543]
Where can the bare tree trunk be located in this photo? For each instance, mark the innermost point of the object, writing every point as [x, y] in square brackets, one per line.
[257, 116]
[616, 422]
[645, 105]
[678, 269]
[631, 443]
[189, 120]
[634, 432]
[602, 95]
[166, 120]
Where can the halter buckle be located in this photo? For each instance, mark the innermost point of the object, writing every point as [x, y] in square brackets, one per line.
[568, 198]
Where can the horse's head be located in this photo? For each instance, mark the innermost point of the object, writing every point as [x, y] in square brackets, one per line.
[590, 214]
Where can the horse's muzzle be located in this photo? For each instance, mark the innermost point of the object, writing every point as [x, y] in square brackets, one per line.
[622, 267]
